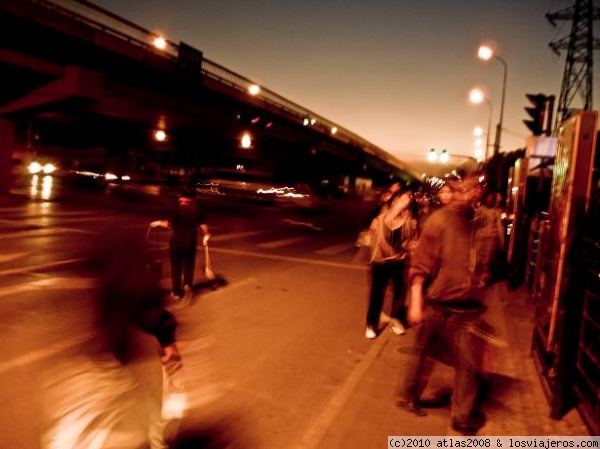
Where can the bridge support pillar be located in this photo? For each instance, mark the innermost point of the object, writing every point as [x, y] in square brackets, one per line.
[7, 138]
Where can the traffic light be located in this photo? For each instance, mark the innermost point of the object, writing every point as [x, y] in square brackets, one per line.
[537, 113]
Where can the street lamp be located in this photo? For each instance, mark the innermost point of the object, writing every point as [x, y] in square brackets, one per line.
[476, 96]
[433, 156]
[479, 151]
[444, 158]
[486, 53]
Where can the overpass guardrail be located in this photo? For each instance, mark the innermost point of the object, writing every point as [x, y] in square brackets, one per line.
[107, 22]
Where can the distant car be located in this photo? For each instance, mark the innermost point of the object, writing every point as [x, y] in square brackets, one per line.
[257, 187]
[97, 177]
[41, 168]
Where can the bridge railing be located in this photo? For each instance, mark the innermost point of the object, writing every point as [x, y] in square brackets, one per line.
[94, 16]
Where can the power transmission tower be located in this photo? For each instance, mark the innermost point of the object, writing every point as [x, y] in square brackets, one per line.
[580, 45]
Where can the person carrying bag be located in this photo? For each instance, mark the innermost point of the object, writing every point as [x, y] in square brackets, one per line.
[393, 235]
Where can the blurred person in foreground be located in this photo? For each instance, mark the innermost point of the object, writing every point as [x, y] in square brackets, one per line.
[186, 218]
[444, 196]
[447, 301]
[428, 205]
[394, 237]
[96, 400]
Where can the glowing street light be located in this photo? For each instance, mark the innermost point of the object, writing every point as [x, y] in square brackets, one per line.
[160, 135]
[159, 42]
[433, 156]
[486, 53]
[254, 89]
[444, 157]
[246, 140]
[477, 96]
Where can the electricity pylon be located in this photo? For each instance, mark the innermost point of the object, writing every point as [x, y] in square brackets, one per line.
[580, 45]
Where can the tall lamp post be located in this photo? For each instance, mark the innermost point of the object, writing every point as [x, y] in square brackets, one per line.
[476, 96]
[486, 53]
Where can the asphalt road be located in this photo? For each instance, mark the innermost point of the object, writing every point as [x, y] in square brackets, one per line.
[270, 349]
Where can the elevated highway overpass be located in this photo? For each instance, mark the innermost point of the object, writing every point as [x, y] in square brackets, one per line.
[82, 81]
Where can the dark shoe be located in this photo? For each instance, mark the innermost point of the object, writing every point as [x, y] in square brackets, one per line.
[471, 425]
[411, 407]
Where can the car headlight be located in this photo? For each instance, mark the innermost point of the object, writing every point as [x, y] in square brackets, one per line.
[49, 168]
[34, 168]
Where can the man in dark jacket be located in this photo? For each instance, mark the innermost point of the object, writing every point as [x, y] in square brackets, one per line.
[446, 300]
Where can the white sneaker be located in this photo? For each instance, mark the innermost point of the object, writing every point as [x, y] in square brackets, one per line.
[370, 333]
[397, 329]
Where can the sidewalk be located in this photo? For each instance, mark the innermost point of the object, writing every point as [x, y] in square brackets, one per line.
[515, 405]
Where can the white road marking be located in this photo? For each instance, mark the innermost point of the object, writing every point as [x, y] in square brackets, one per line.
[290, 259]
[45, 352]
[43, 232]
[282, 242]
[41, 266]
[13, 256]
[234, 235]
[335, 249]
[52, 283]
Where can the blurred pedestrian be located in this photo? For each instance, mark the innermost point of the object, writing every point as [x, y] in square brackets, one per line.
[428, 205]
[444, 195]
[394, 233]
[129, 295]
[490, 234]
[185, 220]
[382, 202]
[446, 300]
[424, 208]
[94, 399]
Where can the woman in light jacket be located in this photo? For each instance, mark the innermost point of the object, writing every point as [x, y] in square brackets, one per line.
[394, 232]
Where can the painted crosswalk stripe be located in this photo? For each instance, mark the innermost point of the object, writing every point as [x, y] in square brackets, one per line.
[335, 249]
[234, 235]
[45, 352]
[39, 233]
[282, 242]
[12, 256]
[39, 267]
[325, 263]
[52, 283]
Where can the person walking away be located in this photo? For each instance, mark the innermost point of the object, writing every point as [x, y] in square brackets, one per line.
[490, 234]
[394, 237]
[185, 220]
[446, 301]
